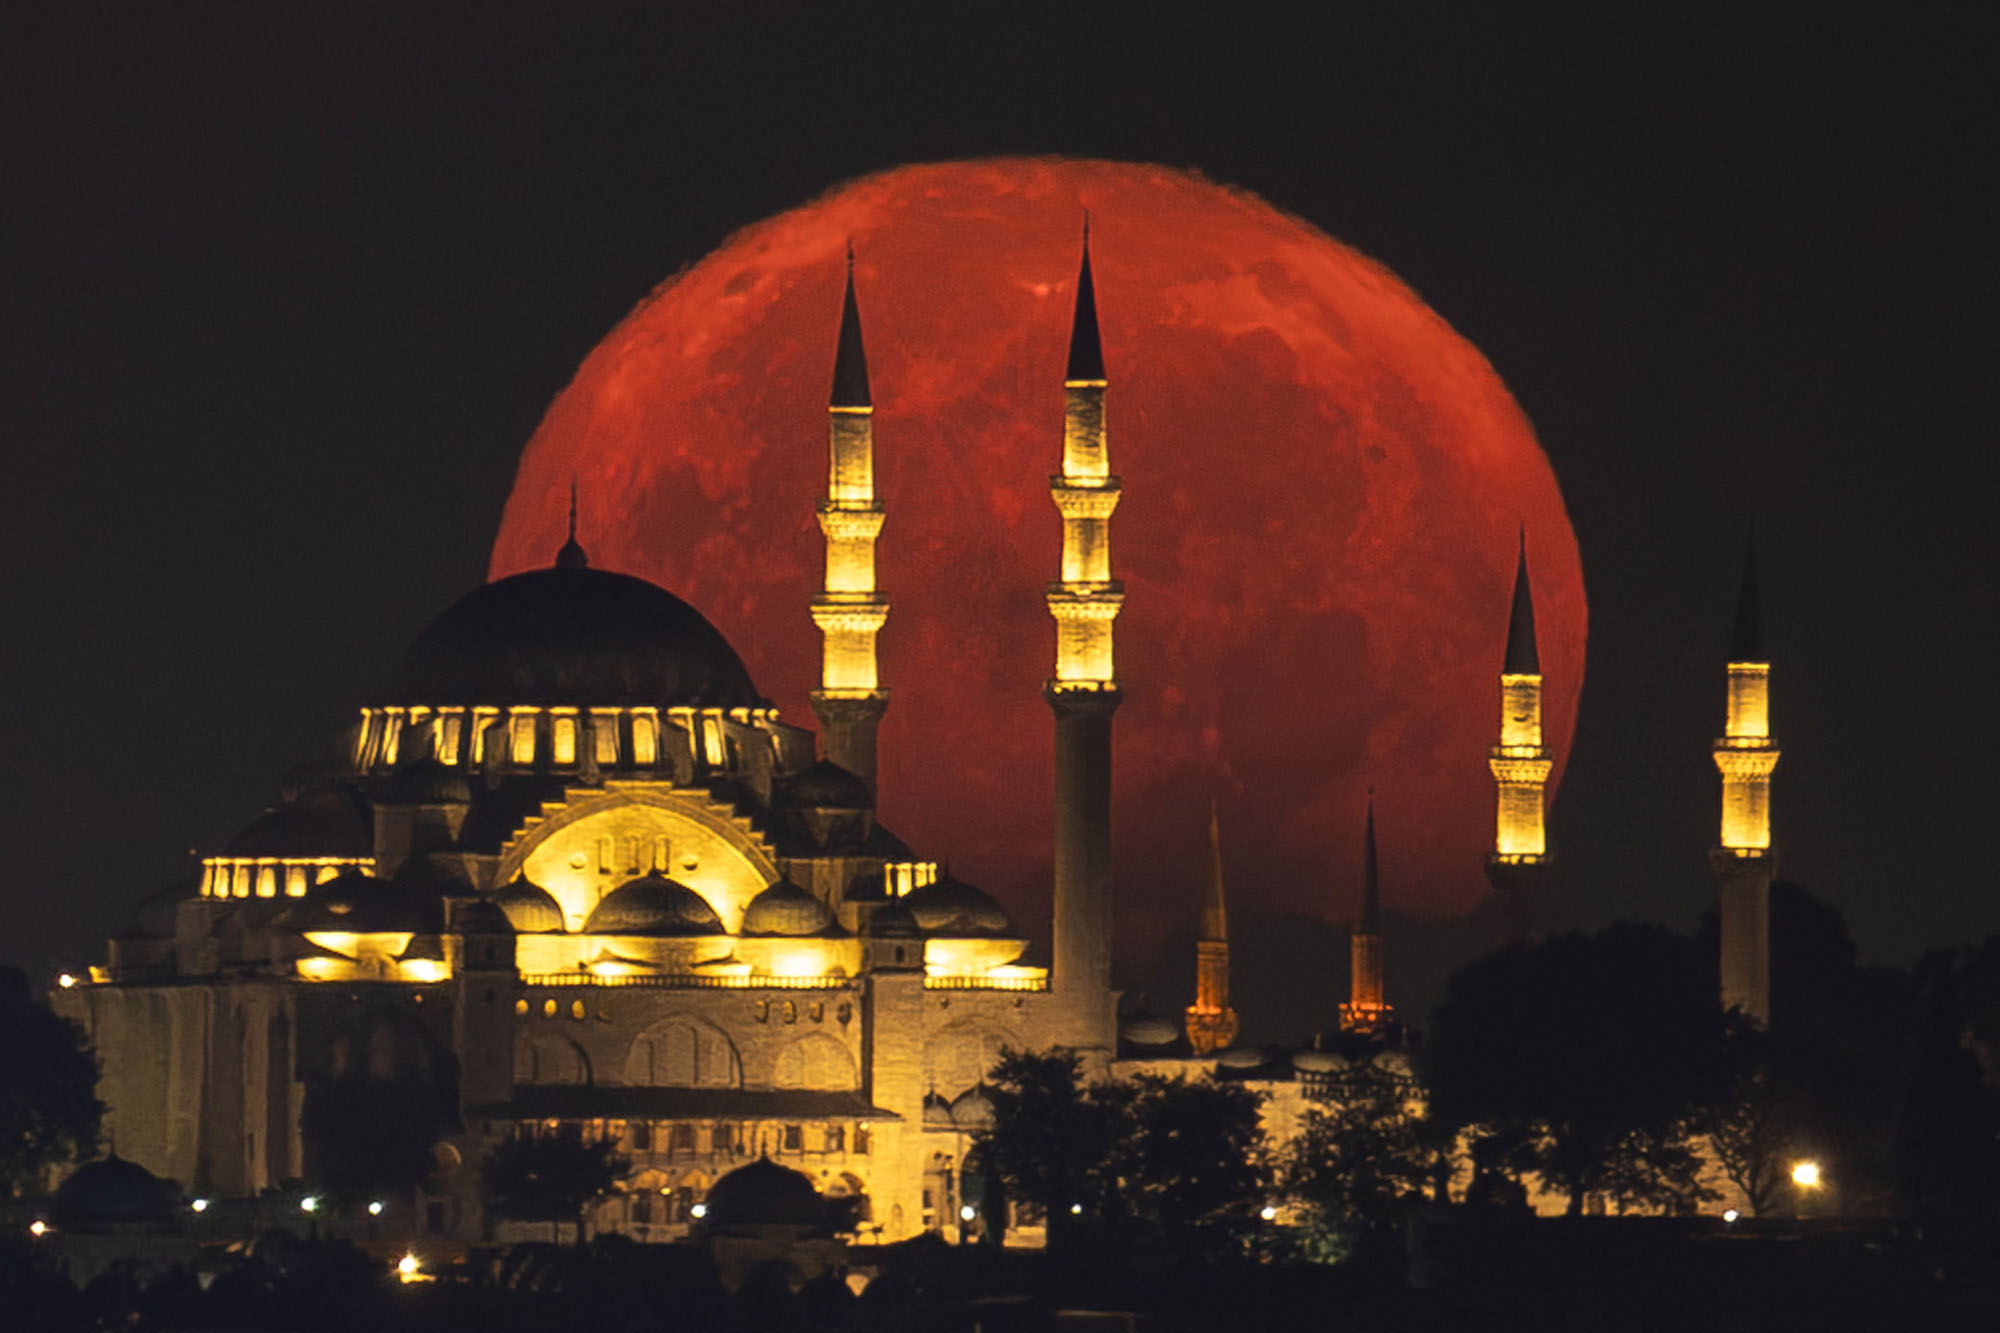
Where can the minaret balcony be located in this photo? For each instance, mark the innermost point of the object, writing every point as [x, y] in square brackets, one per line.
[851, 522]
[1081, 498]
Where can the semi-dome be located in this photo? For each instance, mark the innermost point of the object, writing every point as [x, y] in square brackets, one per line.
[653, 905]
[953, 907]
[764, 1194]
[157, 913]
[1319, 1062]
[1145, 1030]
[893, 921]
[482, 916]
[826, 786]
[786, 909]
[530, 908]
[114, 1194]
[330, 820]
[359, 904]
[425, 781]
[576, 636]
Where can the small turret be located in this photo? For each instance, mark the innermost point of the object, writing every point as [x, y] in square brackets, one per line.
[1211, 1023]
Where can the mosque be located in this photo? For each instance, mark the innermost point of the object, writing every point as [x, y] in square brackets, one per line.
[571, 873]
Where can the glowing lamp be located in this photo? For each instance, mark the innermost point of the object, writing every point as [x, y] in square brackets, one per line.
[1730, 1215]
[408, 1267]
[968, 1212]
[698, 1212]
[38, 1228]
[309, 1204]
[1806, 1175]
[1076, 1209]
[1269, 1214]
[199, 1205]
[67, 980]
[374, 1207]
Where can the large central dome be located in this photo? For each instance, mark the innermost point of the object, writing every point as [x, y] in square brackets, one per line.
[577, 637]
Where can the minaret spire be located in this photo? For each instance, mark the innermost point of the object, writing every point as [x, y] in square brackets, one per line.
[1211, 1023]
[1743, 860]
[1084, 691]
[571, 555]
[1520, 763]
[849, 610]
[1366, 1009]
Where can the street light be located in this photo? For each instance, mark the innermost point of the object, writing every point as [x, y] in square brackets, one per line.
[1269, 1214]
[199, 1205]
[407, 1267]
[374, 1207]
[967, 1213]
[1806, 1175]
[309, 1204]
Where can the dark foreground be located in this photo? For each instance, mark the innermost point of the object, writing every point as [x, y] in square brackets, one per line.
[1545, 1276]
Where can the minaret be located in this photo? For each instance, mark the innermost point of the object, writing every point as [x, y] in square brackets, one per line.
[850, 700]
[1366, 1010]
[1084, 691]
[1743, 861]
[1520, 765]
[1211, 1023]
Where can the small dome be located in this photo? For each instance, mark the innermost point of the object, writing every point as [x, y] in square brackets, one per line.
[953, 907]
[1240, 1057]
[483, 916]
[653, 905]
[425, 781]
[973, 1109]
[764, 1194]
[363, 905]
[893, 921]
[333, 820]
[827, 786]
[572, 636]
[786, 909]
[1394, 1062]
[114, 1194]
[1319, 1062]
[530, 908]
[1146, 1030]
[937, 1112]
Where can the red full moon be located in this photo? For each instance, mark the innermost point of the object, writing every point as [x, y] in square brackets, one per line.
[1323, 483]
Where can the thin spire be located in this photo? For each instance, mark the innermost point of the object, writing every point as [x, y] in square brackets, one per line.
[1086, 349]
[1747, 643]
[571, 555]
[1214, 914]
[1523, 659]
[1371, 877]
[850, 360]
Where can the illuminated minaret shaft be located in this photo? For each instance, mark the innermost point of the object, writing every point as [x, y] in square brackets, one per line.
[1520, 764]
[1211, 1023]
[1366, 1007]
[1084, 691]
[1743, 860]
[849, 611]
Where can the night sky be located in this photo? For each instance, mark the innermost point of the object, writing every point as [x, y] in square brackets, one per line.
[285, 290]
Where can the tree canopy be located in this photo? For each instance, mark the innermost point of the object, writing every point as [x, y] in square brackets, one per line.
[1597, 1053]
[49, 1112]
[1151, 1160]
[550, 1177]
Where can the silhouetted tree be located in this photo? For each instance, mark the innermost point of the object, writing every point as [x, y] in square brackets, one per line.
[1757, 1125]
[1948, 1150]
[1151, 1160]
[49, 1111]
[1599, 1051]
[550, 1177]
[1357, 1161]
